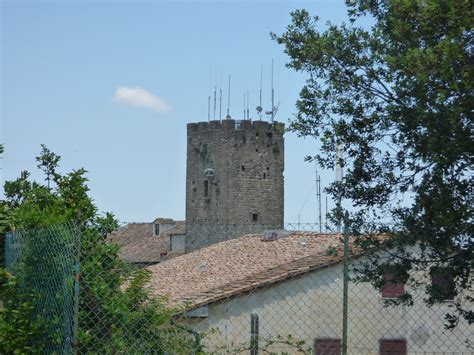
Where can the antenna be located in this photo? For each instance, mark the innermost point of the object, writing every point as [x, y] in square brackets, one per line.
[244, 105]
[208, 108]
[274, 109]
[248, 110]
[259, 108]
[220, 97]
[318, 195]
[228, 102]
[215, 94]
[220, 103]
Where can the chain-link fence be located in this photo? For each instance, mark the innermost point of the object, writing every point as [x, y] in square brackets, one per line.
[144, 290]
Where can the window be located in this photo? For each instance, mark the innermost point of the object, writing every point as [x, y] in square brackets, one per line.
[264, 175]
[243, 167]
[254, 217]
[206, 188]
[393, 347]
[327, 346]
[254, 333]
[442, 283]
[392, 287]
[157, 229]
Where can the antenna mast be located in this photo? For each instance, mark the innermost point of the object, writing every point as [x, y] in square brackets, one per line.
[318, 195]
[220, 97]
[215, 98]
[220, 103]
[208, 108]
[259, 108]
[248, 110]
[228, 101]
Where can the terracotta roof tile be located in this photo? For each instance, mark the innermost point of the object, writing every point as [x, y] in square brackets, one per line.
[138, 244]
[239, 265]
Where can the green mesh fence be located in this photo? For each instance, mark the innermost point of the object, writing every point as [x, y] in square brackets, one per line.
[43, 260]
[258, 293]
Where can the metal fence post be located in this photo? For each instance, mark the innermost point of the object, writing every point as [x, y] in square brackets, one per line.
[77, 270]
[345, 294]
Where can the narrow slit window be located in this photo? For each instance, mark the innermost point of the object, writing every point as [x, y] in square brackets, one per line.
[264, 175]
[254, 333]
[254, 217]
[243, 167]
[157, 229]
[206, 188]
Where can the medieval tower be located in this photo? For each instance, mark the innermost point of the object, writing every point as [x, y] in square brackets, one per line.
[234, 180]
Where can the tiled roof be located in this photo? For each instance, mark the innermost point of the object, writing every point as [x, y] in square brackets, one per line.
[139, 244]
[235, 266]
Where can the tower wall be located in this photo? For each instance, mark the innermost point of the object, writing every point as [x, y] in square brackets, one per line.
[234, 177]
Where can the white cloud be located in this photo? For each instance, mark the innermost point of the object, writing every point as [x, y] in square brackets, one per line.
[140, 97]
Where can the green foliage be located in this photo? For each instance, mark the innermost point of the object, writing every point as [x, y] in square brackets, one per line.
[117, 313]
[398, 97]
[18, 320]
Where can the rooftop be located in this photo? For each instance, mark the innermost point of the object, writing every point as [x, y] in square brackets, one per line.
[139, 244]
[235, 266]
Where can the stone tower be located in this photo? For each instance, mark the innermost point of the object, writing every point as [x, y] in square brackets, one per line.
[234, 180]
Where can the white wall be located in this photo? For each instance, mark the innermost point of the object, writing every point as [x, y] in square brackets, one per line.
[310, 306]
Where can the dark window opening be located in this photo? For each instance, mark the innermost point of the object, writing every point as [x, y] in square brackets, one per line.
[256, 134]
[393, 347]
[442, 283]
[327, 346]
[264, 175]
[392, 287]
[254, 333]
[254, 217]
[194, 182]
[157, 229]
[206, 188]
[268, 168]
[256, 150]
[243, 167]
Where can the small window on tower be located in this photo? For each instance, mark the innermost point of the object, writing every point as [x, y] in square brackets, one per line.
[264, 175]
[206, 188]
[254, 217]
[243, 167]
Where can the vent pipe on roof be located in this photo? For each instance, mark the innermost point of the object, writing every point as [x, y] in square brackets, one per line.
[274, 234]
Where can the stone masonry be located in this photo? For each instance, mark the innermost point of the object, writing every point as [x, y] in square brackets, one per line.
[234, 180]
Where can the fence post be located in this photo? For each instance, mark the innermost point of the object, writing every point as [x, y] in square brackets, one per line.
[77, 270]
[345, 293]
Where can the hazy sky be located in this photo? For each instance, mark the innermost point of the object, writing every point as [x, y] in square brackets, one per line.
[111, 85]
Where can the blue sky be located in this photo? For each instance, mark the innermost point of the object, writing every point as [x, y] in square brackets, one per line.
[75, 76]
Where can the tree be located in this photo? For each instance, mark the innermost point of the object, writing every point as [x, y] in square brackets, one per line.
[117, 313]
[398, 98]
